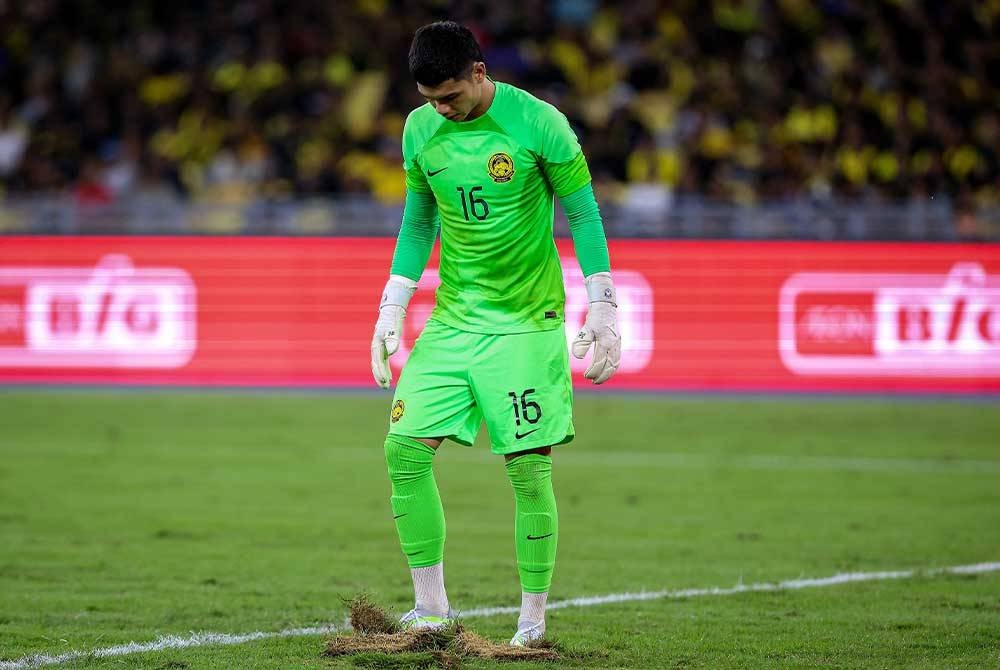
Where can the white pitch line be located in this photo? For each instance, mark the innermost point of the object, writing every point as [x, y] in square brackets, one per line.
[221, 639]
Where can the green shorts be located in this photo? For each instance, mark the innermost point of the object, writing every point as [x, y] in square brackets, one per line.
[519, 384]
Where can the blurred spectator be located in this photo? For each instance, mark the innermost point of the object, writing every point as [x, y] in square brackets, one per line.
[13, 139]
[736, 100]
[90, 190]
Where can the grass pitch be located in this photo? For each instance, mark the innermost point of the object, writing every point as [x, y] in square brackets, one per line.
[130, 516]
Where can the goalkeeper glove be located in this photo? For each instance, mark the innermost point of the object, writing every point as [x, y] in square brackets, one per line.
[389, 326]
[600, 329]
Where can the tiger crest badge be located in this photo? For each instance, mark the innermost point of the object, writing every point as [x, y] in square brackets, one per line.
[500, 167]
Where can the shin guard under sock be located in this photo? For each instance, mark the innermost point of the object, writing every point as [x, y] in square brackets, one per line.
[416, 504]
[536, 524]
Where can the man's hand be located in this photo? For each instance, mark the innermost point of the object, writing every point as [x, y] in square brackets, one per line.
[389, 326]
[600, 329]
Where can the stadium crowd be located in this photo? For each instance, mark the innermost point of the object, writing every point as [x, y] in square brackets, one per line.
[739, 100]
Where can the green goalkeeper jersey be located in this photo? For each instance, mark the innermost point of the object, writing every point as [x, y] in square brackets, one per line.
[493, 179]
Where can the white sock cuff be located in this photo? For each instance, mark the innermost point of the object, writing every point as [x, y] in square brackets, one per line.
[532, 607]
[428, 587]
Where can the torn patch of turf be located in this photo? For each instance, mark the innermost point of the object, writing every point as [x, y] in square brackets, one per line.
[467, 643]
[368, 618]
[387, 643]
[376, 638]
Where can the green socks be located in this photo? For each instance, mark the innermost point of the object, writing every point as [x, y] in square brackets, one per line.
[416, 504]
[416, 507]
[536, 524]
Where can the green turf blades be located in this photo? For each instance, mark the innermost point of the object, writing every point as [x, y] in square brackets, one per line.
[130, 516]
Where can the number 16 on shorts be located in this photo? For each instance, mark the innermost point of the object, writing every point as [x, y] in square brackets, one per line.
[527, 413]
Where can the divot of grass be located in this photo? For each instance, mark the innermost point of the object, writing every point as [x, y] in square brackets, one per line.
[368, 618]
[378, 641]
[468, 643]
[384, 643]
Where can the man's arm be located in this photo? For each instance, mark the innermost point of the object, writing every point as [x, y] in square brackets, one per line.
[566, 169]
[571, 182]
[413, 247]
[601, 326]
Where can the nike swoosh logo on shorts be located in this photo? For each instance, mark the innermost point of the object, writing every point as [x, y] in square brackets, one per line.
[522, 435]
[540, 537]
[431, 173]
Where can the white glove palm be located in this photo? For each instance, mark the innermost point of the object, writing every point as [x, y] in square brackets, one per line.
[389, 326]
[600, 330]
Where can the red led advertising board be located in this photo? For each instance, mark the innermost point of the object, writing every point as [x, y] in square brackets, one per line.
[695, 315]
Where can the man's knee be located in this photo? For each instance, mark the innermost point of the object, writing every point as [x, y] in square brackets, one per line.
[407, 459]
[530, 474]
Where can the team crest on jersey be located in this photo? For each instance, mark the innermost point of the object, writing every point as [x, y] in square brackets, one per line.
[398, 408]
[501, 167]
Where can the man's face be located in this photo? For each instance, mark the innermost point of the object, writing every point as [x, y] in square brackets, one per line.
[453, 98]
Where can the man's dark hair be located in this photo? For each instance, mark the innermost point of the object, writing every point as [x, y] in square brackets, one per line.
[443, 50]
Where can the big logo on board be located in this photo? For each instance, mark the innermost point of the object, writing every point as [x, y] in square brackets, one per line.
[112, 315]
[892, 324]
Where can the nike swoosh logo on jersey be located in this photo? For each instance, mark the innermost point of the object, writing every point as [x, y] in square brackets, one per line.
[540, 537]
[431, 173]
[522, 435]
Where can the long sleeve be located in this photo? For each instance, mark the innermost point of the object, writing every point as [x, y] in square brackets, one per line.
[416, 235]
[587, 229]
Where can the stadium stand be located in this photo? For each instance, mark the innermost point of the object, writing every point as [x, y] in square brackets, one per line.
[708, 118]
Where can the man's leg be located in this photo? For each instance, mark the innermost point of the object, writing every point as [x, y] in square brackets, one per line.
[536, 533]
[432, 399]
[419, 517]
[522, 383]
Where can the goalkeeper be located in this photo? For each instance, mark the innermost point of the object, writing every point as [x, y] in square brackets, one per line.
[482, 161]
